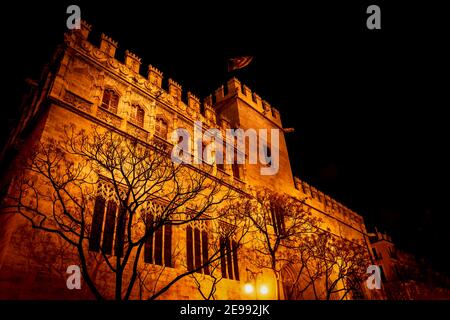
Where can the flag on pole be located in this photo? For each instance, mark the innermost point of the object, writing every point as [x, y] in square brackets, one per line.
[288, 130]
[239, 62]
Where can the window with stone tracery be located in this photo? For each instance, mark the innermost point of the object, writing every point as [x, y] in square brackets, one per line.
[137, 115]
[161, 128]
[110, 100]
[277, 218]
[108, 222]
[197, 246]
[158, 245]
[229, 256]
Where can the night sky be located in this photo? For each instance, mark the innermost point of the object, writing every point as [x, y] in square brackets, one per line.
[368, 107]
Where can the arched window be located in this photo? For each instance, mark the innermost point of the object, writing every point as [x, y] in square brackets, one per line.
[235, 168]
[220, 158]
[158, 245]
[97, 224]
[108, 224]
[267, 154]
[110, 100]
[137, 115]
[229, 258]
[197, 249]
[161, 128]
[277, 218]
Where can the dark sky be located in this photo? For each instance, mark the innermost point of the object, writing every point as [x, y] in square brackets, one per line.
[368, 107]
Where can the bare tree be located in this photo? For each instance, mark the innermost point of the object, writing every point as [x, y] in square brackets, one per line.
[276, 221]
[106, 195]
[288, 240]
[331, 266]
[299, 274]
[206, 281]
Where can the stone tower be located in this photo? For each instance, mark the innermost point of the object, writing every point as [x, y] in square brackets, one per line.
[246, 110]
[87, 85]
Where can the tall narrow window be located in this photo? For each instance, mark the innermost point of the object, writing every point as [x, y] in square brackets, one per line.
[97, 224]
[235, 168]
[235, 260]
[277, 218]
[268, 156]
[120, 233]
[110, 224]
[196, 249]
[161, 128]
[220, 158]
[189, 248]
[206, 156]
[223, 261]
[229, 258]
[110, 100]
[158, 245]
[148, 248]
[205, 250]
[137, 115]
[168, 245]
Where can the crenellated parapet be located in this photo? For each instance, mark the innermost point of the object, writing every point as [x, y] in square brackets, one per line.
[175, 89]
[235, 88]
[329, 205]
[108, 45]
[155, 76]
[193, 102]
[132, 61]
[209, 112]
[85, 29]
[129, 70]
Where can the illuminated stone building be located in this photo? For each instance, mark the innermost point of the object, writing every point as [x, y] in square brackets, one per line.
[403, 276]
[86, 84]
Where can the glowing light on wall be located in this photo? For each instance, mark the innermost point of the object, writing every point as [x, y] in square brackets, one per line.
[264, 289]
[248, 288]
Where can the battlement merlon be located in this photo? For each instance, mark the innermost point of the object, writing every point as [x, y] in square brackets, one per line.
[326, 200]
[193, 102]
[155, 76]
[78, 40]
[132, 61]
[234, 88]
[208, 101]
[175, 89]
[85, 29]
[379, 236]
[79, 34]
[108, 45]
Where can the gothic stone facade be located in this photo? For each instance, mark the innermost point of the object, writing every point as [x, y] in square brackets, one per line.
[76, 86]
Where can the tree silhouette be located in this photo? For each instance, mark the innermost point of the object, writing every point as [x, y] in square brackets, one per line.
[108, 196]
[331, 267]
[276, 223]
